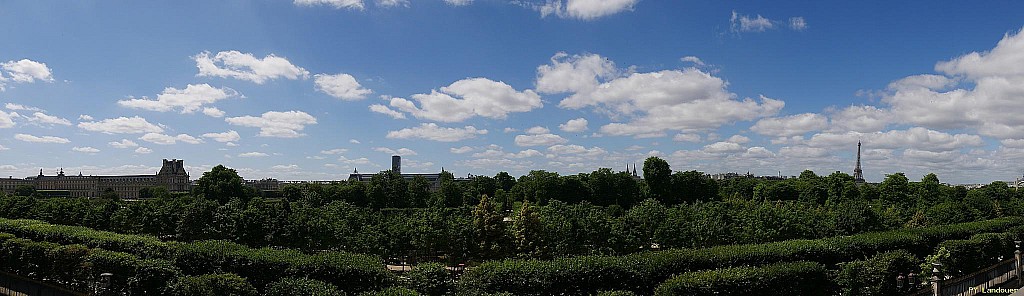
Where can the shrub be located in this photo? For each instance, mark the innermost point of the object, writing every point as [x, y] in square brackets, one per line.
[876, 275]
[796, 278]
[302, 286]
[392, 291]
[980, 251]
[212, 285]
[430, 279]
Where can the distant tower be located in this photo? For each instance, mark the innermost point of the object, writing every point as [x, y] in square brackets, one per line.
[396, 164]
[858, 174]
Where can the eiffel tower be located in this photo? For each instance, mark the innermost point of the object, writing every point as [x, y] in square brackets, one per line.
[858, 174]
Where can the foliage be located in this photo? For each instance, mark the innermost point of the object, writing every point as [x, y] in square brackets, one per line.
[875, 275]
[302, 286]
[221, 184]
[797, 278]
[431, 279]
[211, 285]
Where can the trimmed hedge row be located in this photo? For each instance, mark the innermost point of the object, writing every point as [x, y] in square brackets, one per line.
[791, 278]
[74, 266]
[352, 272]
[641, 272]
[875, 276]
[980, 251]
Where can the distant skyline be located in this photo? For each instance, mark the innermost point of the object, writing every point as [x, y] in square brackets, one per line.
[311, 89]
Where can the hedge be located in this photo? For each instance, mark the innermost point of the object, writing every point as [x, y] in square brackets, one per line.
[980, 251]
[302, 286]
[641, 272]
[74, 266]
[351, 272]
[876, 275]
[212, 285]
[793, 278]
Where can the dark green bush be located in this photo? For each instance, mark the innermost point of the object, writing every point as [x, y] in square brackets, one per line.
[302, 286]
[392, 291]
[212, 285]
[796, 278]
[430, 279]
[876, 275]
[615, 293]
[980, 251]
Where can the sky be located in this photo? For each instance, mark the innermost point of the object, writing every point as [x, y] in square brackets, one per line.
[314, 89]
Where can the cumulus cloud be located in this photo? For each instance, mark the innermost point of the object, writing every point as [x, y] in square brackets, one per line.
[692, 59]
[24, 71]
[244, 66]
[584, 9]
[7, 119]
[683, 100]
[19, 107]
[916, 137]
[392, 3]
[723, 147]
[539, 140]
[276, 124]
[121, 125]
[253, 154]
[792, 125]
[574, 125]
[85, 149]
[228, 136]
[468, 98]
[433, 132]
[686, 138]
[85, 117]
[378, 108]
[797, 23]
[740, 23]
[574, 73]
[460, 150]
[213, 112]
[124, 143]
[188, 100]
[41, 139]
[400, 151]
[860, 119]
[334, 151]
[162, 139]
[143, 150]
[342, 86]
[336, 4]
[537, 130]
[458, 2]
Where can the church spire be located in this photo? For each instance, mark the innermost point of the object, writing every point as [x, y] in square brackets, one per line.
[858, 174]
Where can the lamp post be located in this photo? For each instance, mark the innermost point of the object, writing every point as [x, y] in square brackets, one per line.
[936, 282]
[1017, 267]
[899, 282]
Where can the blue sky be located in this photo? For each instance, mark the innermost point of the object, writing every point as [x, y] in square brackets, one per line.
[310, 89]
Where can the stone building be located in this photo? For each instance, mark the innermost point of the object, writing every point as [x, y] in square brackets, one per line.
[172, 175]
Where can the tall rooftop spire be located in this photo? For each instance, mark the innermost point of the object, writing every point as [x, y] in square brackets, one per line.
[858, 174]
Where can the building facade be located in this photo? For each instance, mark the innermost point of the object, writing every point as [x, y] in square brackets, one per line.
[172, 175]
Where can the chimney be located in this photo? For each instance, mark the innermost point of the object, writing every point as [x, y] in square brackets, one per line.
[396, 164]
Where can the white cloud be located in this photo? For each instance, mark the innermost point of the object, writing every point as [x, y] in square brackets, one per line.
[2, 148]
[19, 107]
[342, 86]
[758, 152]
[190, 99]
[7, 119]
[162, 139]
[400, 151]
[468, 98]
[24, 71]
[745, 23]
[510, 130]
[458, 2]
[42, 118]
[85, 149]
[433, 132]
[228, 136]
[253, 154]
[915, 138]
[1001, 61]
[803, 152]
[792, 125]
[42, 139]
[723, 147]
[860, 119]
[537, 130]
[738, 139]
[460, 150]
[585, 9]
[276, 124]
[797, 23]
[121, 125]
[574, 73]
[124, 143]
[336, 4]
[393, 3]
[692, 59]
[213, 112]
[576, 150]
[334, 151]
[684, 100]
[574, 125]
[539, 140]
[244, 66]
[354, 141]
[85, 117]
[387, 111]
[686, 138]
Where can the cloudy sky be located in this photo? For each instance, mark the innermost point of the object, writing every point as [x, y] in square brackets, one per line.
[312, 89]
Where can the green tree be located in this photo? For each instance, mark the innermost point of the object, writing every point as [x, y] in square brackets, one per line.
[504, 181]
[528, 232]
[490, 229]
[221, 184]
[419, 192]
[388, 189]
[693, 186]
[538, 187]
[25, 190]
[895, 189]
[658, 176]
[640, 224]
